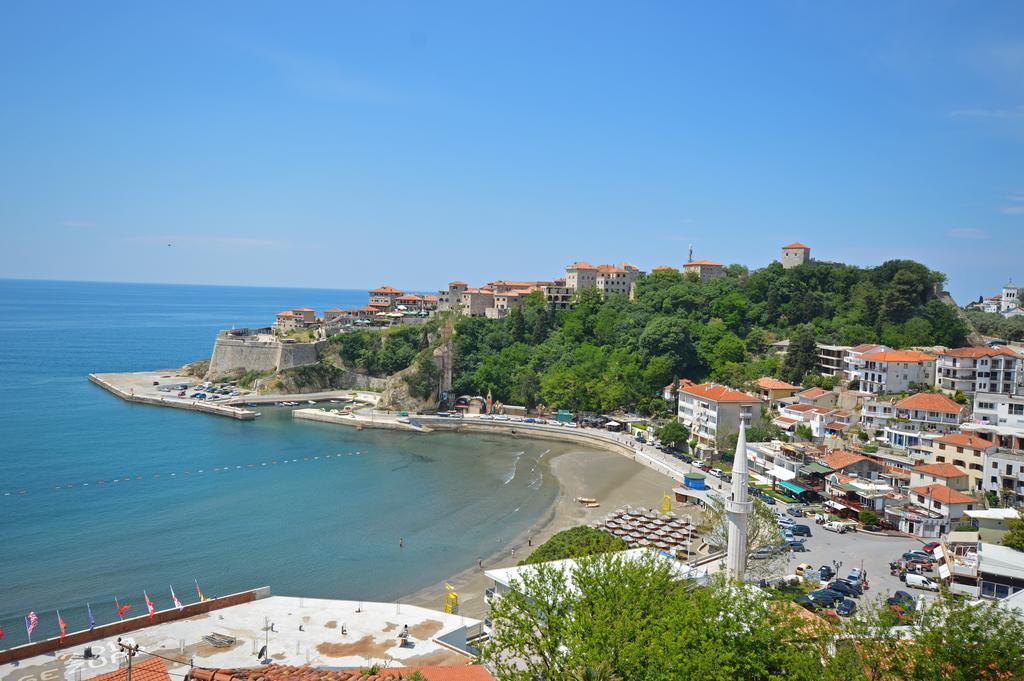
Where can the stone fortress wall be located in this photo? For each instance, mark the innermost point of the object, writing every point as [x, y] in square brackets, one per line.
[245, 350]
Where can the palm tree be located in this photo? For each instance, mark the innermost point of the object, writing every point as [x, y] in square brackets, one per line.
[600, 672]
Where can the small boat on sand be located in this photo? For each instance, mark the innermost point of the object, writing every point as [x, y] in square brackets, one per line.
[586, 500]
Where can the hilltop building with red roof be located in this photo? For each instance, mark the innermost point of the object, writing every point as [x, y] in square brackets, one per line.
[795, 254]
[704, 269]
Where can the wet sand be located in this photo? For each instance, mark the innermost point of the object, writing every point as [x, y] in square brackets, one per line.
[613, 479]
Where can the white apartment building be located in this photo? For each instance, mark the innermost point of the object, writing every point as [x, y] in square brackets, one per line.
[894, 371]
[980, 370]
[612, 279]
[999, 417]
[581, 275]
[712, 412]
[913, 420]
[1004, 475]
[831, 359]
[853, 364]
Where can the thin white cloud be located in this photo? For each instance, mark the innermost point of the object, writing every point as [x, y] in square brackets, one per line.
[968, 233]
[1013, 210]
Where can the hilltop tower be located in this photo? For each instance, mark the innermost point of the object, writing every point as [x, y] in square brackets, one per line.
[737, 510]
[795, 254]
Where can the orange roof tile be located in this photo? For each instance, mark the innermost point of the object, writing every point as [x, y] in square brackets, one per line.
[943, 494]
[610, 268]
[980, 352]
[786, 419]
[813, 393]
[581, 266]
[769, 383]
[840, 459]
[410, 296]
[430, 298]
[303, 309]
[837, 425]
[796, 244]
[718, 393]
[964, 440]
[799, 407]
[457, 283]
[940, 470]
[703, 263]
[148, 669]
[898, 356]
[864, 347]
[387, 289]
[286, 313]
[334, 309]
[930, 402]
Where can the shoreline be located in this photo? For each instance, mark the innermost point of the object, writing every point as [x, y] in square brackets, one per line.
[613, 479]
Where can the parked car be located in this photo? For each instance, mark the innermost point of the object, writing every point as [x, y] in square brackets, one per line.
[921, 582]
[854, 575]
[795, 511]
[833, 526]
[825, 597]
[916, 555]
[762, 553]
[826, 572]
[930, 547]
[717, 472]
[847, 607]
[806, 602]
[843, 588]
[795, 545]
[801, 530]
[856, 586]
[783, 520]
[901, 599]
[804, 569]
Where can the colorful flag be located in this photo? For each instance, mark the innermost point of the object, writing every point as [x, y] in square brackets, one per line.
[199, 591]
[1, 632]
[177, 603]
[92, 620]
[149, 604]
[62, 625]
[30, 624]
[121, 609]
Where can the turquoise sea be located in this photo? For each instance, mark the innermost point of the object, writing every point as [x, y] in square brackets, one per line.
[309, 509]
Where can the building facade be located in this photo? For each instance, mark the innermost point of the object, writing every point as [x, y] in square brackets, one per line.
[795, 254]
[704, 269]
[895, 371]
[980, 370]
[713, 412]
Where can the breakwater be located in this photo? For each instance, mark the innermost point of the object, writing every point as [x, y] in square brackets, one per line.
[108, 383]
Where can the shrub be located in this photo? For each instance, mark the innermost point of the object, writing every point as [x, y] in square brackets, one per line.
[574, 543]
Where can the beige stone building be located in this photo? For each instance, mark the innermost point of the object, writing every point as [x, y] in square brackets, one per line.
[795, 254]
[704, 269]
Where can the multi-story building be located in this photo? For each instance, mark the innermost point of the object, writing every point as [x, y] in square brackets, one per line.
[558, 295]
[980, 370]
[1004, 475]
[912, 420]
[831, 359]
[475, 301]
[504, 302]
[894, 371]
[712, 412]
[992, 523]
[451, 298]
[854, 362]
[942, 473]
[385, 297]
[795, 254]
[966, 451]
[819, 397]
[704, 269]
[613, 279]
[581, 275]
[999, 417]
[299, 318]
[772, 390]
[931, 510]
[1008, 303]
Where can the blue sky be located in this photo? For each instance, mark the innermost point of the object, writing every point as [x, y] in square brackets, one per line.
[352, 144]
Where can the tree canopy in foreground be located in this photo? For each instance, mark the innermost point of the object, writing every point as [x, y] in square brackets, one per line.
[631, 619]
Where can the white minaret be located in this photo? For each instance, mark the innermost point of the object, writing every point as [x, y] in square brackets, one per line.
[737, 508]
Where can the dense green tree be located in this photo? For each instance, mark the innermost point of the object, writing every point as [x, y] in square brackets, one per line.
[1014, 537]
[674, 434]
[575, 542]
[802, 355]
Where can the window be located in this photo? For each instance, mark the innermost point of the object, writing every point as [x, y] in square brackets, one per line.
[986, 405]
[1016, 409]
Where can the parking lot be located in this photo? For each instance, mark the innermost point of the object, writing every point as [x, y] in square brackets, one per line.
[869, 552]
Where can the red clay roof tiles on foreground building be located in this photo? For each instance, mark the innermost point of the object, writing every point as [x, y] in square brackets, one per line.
[717, 393]
[964, 440]
[275, 672]
[150, 669]
[943, 494]
[930, 402]
[813, 393]
[898, 356]
[973, 353]
[769, 383]
[940, 470]
[840, 459]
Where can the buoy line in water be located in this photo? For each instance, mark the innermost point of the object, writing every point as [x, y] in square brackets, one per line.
[14, 493]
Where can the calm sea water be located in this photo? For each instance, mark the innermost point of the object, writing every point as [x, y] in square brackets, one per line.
[307, 508]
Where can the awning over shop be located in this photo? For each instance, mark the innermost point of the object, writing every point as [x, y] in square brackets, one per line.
[835, 504]
[796, 489]
[780, 473]
[815, 467]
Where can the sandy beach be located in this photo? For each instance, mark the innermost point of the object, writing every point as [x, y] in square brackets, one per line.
[613, 479]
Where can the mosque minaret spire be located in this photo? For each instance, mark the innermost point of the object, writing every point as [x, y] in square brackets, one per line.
[737, 509]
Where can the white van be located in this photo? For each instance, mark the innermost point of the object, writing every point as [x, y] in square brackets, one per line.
[833, 526]
[921, 582]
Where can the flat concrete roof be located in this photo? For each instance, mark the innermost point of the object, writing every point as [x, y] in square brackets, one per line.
[371, 635]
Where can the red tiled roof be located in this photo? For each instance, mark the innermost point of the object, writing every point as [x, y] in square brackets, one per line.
[864, 347]
[457, 283]
[769, 383]
[286, 313]
[430, 298]
[799, 407]
[704, 263]
[303, 309]
[813, 392]
[930, 402]
[837, 425]
[980, 352]
[786, 419]
[581, 266]
[334, 309]
[610, 268]
[796, 244]
[149, 669]
[717, 393]
[940, 470]
[840, 459]
[943, 494]
[410, 296]
[387, 289]
[964, 440]
[898, 356]
[277, 672]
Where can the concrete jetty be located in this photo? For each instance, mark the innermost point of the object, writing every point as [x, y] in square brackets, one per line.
[139, 387]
